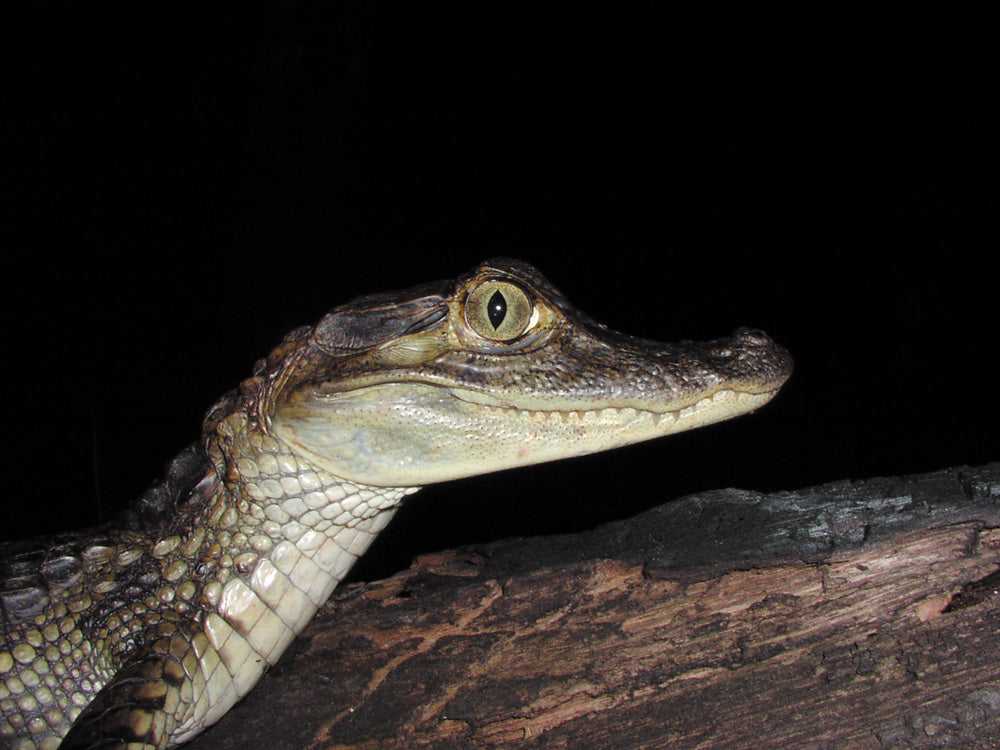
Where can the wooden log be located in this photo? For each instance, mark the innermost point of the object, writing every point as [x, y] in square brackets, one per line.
[856, 614]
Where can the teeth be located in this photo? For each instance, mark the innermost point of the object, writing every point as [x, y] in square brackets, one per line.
[669, 416]
[616, 413]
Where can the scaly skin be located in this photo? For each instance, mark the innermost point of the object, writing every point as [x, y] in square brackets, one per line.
[143, 633]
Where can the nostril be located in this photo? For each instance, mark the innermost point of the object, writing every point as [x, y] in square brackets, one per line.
[752, 336]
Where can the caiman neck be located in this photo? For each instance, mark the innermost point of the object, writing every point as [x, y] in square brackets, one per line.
[275, 503]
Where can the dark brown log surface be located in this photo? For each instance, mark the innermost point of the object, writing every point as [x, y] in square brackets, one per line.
[852, 615]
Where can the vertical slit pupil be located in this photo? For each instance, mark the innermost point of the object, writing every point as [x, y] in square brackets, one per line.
[496, 309]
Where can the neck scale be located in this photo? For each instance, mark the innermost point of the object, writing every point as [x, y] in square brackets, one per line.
[284, 534]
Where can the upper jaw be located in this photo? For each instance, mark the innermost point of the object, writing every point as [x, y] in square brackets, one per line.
[585, 372]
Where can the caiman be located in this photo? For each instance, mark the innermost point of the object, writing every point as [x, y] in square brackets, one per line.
[142, 633]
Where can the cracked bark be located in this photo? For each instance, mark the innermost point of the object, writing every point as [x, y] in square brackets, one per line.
[855, 614]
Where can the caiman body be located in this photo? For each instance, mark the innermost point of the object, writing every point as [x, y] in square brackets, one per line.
[142, 633]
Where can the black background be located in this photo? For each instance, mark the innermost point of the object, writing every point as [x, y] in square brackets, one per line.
[188, 184]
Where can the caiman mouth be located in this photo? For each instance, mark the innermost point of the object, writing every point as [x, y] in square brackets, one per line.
[734, 401]
[403, 434]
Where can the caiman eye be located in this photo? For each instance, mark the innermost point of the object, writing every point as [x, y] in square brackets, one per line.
[498, 310]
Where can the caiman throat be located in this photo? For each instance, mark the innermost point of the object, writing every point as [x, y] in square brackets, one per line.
[142, 633]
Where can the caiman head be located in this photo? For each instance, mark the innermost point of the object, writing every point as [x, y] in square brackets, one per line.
[492, 371]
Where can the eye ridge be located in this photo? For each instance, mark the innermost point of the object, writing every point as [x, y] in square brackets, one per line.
[496, 309]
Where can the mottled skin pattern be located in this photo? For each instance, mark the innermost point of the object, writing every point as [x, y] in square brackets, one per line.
[142, 633]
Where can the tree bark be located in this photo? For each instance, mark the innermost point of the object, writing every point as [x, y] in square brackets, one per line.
[856, 614]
